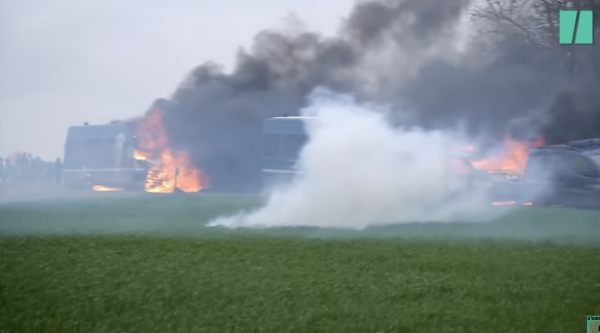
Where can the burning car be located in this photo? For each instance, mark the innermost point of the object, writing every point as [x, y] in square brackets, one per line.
[502, 187]
[503, 170]
[564, 175]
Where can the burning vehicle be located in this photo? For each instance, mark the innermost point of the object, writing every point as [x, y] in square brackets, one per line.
[128, 156]
[503, 170]
[565, 175]
[169, 170]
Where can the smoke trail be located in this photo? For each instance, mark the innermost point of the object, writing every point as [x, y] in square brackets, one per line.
[357, 171]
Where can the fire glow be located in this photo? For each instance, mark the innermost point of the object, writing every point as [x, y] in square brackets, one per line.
[504, 203]
[510, 203]
[99, 188]
[169, 170]
[512, 160]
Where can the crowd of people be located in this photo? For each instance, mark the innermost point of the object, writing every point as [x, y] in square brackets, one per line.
[24, 168]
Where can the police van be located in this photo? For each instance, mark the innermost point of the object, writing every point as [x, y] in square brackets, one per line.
[102, 155]
[283, 139]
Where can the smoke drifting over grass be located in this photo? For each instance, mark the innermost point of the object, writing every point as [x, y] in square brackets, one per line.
[358, 171]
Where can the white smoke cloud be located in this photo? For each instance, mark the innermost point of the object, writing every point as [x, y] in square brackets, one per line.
[358, 171]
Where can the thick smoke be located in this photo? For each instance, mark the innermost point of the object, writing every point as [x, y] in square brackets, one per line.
[493, 67]
[358, 171]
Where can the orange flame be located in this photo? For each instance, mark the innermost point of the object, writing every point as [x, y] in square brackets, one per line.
[138, 155]
[513, 159]
[106, 188]
[169, 169]
[509, 203]
[504, 203]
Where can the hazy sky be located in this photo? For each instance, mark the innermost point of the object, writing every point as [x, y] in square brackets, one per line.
[64, 62]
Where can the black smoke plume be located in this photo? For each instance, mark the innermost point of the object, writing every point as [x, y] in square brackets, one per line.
[438, 64]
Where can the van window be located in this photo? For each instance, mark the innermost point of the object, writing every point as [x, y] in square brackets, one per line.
[596, 159]
[292, 144]
[545, 167]
[271, 143]
[89, 153]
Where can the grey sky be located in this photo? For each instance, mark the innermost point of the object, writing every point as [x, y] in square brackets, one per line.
[63, 62]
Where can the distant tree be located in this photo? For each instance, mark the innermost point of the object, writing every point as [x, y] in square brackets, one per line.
[528, 31]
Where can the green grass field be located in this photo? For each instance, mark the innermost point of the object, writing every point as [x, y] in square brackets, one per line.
[147, 263]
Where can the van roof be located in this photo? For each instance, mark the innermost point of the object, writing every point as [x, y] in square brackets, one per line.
[589, 152]
[96, 132]
[286, 125]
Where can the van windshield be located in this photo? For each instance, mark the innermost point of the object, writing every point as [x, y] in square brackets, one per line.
[90, 153]
[596, 158]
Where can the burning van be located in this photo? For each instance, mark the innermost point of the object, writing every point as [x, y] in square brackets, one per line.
[102, 157]
[132, 155]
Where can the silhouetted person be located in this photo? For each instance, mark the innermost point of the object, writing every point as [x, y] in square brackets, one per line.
[48, 171]
[58, 170]
[28, 168]
[2, 171]
[20, 169]
[11, 168]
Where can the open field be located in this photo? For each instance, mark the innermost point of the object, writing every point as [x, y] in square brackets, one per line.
[186, 215]
[118, 262]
